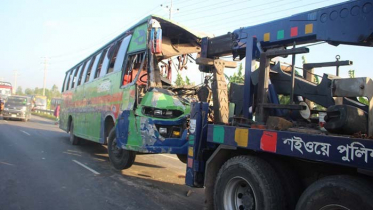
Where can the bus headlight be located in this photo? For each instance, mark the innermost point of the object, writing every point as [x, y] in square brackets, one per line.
[157, 112]
[161, 113]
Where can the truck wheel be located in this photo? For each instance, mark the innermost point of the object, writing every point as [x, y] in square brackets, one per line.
[290, 181]
[74, 140]
[182, 158]
[337, 192]
[119, 158]
[248, 182]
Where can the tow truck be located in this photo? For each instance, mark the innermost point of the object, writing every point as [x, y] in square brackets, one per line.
[249, 151]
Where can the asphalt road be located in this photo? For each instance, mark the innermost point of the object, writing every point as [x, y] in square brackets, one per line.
[40, 169]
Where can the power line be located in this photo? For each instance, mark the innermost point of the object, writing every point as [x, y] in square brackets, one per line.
[204, 9]
[105, 37]
[235, 10]
[278, 17]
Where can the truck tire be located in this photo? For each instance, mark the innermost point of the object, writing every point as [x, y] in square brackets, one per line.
[74, 140]
[290, 181]
[337, 192]
[182, 158]
[248, 182]
[119, 158]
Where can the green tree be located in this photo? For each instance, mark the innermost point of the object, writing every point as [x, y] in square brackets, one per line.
[238, 77]
[187, 81]
[363, 100]
[179, 80]
[28, 91]
[19, 91]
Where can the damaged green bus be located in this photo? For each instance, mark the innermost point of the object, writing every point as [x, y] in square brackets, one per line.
[122, 94]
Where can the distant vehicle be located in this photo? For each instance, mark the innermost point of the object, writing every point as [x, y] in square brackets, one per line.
[39, 102]
[17, 107]
[5, 92]
[55, 102]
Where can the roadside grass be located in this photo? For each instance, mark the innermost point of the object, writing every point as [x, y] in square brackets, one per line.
[51, 117]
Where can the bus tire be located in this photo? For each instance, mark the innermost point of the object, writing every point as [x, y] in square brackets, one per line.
[337, 192]
[119, 158]
[74, 140]
[182, 157]
[248, 182]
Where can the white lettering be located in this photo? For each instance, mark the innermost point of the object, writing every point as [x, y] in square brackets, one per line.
[318, 148]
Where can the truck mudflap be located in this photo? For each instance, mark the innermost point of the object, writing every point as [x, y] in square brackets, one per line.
[353, 152]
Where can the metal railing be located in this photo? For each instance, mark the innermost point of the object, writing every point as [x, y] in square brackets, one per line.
[42, 111]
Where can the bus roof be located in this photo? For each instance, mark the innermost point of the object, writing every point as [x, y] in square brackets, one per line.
[197, 35]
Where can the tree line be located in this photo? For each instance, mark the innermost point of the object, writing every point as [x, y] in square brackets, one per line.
[54, 92]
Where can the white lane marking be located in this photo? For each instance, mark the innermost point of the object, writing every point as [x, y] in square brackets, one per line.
[86, 167]
[5, 121]
[25, 132]
[6, 163]
[169, 156]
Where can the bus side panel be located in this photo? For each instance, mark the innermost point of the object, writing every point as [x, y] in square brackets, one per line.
[64, 110]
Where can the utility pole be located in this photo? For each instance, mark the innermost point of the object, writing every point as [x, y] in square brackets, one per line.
[45, 62]
[170, 10]
[15, 81]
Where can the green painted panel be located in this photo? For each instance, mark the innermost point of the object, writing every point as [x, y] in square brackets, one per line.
[138, 40]
[218, 134]
[134, 135]
[280, 34]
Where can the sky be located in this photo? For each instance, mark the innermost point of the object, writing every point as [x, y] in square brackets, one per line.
[67, 31]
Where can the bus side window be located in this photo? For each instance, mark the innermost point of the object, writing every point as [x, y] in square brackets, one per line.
[68, 80]
[119, 61]
[71, 79]
[132, 68]
[94, 67]
[81, 73]
[100, 62]
[105, 63]
[64, 82]
[87, 76]
[112, 55]
[74, 79]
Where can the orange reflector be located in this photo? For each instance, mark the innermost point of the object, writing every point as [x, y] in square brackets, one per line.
[176, 133]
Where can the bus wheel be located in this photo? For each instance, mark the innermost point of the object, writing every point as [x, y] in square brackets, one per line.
[337, 193]
[182, 158]
[248, 182]
[74, 140]
[119, 158]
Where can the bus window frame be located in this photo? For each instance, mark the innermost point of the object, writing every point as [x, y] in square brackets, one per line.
[75, 77]
[85, 71]
[71, 79]
[145, 58]
[64, 83]
[89, 70]
[68, 80]
[81, 73]
[94, 67]
[100, 63]
[105, 62]
[119, 61]
[114, 56]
